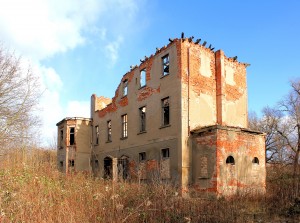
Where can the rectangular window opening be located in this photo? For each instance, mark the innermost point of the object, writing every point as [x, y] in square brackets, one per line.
[143, 78]
[166, 64]
[125, 87]
[165, 153]
[142, 119]
[124, 126]
[61, 164]
[71, 163]
[109, 131]
[165, 111]
[142, 156]
[96, 163]
[97, 134]
[72, 136]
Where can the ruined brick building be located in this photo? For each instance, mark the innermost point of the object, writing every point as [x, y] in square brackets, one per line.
[179, 116]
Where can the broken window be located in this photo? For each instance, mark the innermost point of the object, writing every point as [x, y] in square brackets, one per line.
[125, 87]
[124, 126]
[142, 119]
[255, 160]
[109, 131]
[123, 167]
[165, 62]
[165, 111]
[96, 164]
[71, 163]
[97, 134]
[72, 136]
[165, 153]
[143, 78]
[61, 135]
[230, 160]
[142, 156]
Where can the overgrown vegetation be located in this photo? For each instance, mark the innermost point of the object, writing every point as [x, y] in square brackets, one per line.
[32, 190]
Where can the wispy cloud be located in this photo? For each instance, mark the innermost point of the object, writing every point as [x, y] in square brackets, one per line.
[40, 29]
[112, 51]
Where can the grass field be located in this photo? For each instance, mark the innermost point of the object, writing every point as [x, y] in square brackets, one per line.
[32, 190]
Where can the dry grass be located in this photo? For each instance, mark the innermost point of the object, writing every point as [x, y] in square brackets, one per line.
[32, 190]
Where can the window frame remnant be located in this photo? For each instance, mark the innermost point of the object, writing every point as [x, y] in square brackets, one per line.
[71, 136]
[143, 79]
[125, 88]
[165, 153]
[97, 134]
[255, 161]
[142, 112]
[123, 167]
[142, 157]
[230, 160]
[165, 109]
[72, 163]
[165, 65]
[109, 134]
[124, 119]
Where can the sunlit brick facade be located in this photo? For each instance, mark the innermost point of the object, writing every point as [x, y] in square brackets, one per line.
[180, 116]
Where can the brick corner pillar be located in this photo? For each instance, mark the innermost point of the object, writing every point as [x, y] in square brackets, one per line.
[220, 84]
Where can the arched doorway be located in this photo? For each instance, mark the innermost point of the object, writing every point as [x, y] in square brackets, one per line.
[108, 168]
[123, 167]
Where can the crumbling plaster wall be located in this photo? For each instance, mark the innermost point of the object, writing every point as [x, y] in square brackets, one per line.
[244, 176]
[80, 152]
[211, 148]
[156, 136]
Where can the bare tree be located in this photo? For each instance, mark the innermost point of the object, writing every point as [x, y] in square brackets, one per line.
[290, 128]
[282, 127]
[19, 95]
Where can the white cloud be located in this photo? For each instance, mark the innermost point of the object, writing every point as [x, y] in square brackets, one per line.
[112, 50]
[78, 109]
[39, 29]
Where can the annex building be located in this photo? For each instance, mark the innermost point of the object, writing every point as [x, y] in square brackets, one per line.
[179, 116]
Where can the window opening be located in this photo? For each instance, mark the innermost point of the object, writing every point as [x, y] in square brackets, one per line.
[165, 112]
[230, 160]
[125, 87]
[109, 131]
[61, 163]
[123, 167]
[61, 135]
[143, 78]
[97, 134]
[165, 153]
[96, 163]
[71, 163]
[72, 136]
[142, 119]
[124, 126]
[166, 62]
[107, 168]
[142, 156]
[255, 160]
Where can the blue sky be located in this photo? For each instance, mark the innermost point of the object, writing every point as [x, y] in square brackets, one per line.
[83, 47]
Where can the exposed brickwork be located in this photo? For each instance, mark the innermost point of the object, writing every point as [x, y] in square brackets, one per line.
[147, 92]
[123, 101]
[234, 92]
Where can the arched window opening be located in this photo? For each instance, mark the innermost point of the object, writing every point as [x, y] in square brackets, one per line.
[123, 167]
[255, 160]
[230, 160]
